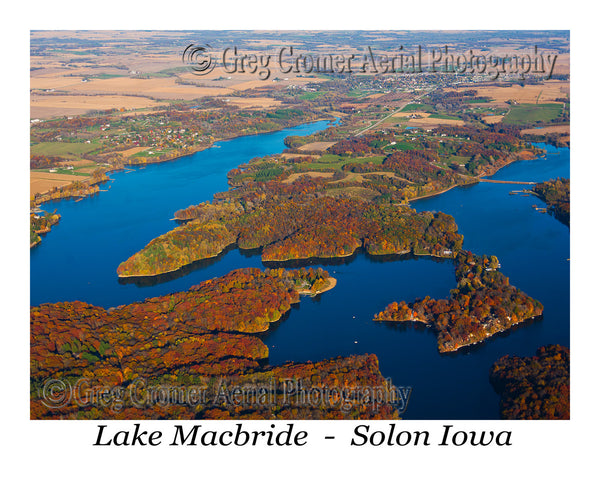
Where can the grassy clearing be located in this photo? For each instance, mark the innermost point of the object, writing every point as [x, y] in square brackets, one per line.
[414, 107]
[310, 95]
[353, 192]
[455, 159]
[358, 93]
[336, 162]
[400, 146]
[396, 120]
[441, 116]
[529, 113]
[64, 171]
[62, 148]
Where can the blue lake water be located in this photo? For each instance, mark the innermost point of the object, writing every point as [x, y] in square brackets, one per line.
[78, 259]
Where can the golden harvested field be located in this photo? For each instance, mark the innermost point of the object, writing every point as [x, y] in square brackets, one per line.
[291, 80]
[258, 102]
[360, 177]
[50, 81]
[41, 182]
[132, 151]
[271, 44]
[316, 146]
[490, 119]
[546, 93]
[430, 122]
[48, 106]
[162, 88]
[296, 155]
[553, 129]
[352, 192]
[351, 177]
[67, 81]
[78, 163]
[244, 81]
[294, 176]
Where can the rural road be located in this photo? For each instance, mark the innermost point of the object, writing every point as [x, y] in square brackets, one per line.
[402, 105]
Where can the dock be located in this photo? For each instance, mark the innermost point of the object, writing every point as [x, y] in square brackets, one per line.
[512, 182]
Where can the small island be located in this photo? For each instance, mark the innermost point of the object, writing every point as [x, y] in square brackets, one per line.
[535, 387]
[482, 304]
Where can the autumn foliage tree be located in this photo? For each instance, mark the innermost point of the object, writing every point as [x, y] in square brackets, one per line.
[202, 338]
[482, 304]
[535, 387]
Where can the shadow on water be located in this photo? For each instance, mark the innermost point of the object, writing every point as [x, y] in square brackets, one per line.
[273, 326]
[307, 262]
[419, 327]
[151, 281]
[335, 261]
[395, 257]
[250, 252]
[406, 326]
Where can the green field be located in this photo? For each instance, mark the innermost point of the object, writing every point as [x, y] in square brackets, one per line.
[62, 148]
[396, 120]
[529, 113]
[64, 171]
[336, 162]
[413, 107]
[445, 117]
[268, 173]
[400, 146]
[358, 93]
[310, 95]
[456, 159]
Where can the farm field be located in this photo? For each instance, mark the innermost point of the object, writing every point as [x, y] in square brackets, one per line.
[491, 119]
[546, 93]
[413, 107]
[157, 88]
[528, 113]
[65, 149]
[41, 182]
[432, 121]
[253, 102]
[316, 146]
[329, 161]
[552, 129]
[50, 106]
